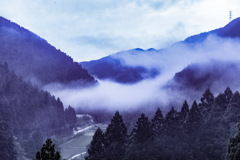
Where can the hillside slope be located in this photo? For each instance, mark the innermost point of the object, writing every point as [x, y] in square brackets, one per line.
[35, 59]
[116, 67]
[31, 114]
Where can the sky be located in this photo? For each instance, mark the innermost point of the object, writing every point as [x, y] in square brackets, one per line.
[91, 29]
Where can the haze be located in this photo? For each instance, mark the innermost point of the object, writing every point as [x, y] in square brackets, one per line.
[109, 95]
[88, 30]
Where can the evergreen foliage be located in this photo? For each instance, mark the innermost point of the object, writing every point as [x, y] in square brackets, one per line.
[6, 142]
[96, 149]
[194, 116]
[140, 136]
[184, 111]
[30, 113]
[207, 100]
[142, 131]
[35, 59]
[70, 116]
[48, 152]
[156, 122]
[199, 133]
[115, 138]
[234, 147]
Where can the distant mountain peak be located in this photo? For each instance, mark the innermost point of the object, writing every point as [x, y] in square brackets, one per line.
[233, 23]
[138, 49]
[231, 30]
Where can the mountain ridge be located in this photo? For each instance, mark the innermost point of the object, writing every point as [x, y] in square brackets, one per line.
[33, 58]
[117, 62]
[228, 31]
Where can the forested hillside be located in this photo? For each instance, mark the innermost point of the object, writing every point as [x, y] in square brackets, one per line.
[199, 132]
[29, 114]
[114, 68]
[35, 59]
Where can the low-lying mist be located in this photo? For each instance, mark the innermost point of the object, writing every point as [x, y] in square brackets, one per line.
[157, 92]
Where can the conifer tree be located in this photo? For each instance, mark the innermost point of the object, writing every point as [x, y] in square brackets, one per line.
[115, 138]
[170, 120]
[207, 97]
[184, 111]
[70, 116]
[222, 101]
[235, 99]
[96, 149]
[48, 152]
[233, 108]
[234, 147]
[206, 102]
[156, 122]
[228, 94]
[194, 115]
[6, 142]
[116, 130]
[142, 131]
[194, 118]
[140, 139]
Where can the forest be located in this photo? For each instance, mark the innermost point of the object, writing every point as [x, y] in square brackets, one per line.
[28, 116]
[208, 130]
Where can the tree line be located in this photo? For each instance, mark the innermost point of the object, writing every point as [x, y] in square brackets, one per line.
[199, 132]
[28, 115]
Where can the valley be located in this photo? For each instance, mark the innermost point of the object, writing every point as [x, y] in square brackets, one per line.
[184, 94]
[76, 147]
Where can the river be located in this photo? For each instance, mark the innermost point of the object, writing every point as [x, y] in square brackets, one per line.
[76, 147]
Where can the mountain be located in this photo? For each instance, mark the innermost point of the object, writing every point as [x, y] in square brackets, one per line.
[114, 67]
[231, 30]
[35, 59]
[214, 74]
[220, 71]
[31, 114]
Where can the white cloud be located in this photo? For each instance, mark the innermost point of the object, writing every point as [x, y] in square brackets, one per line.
[152, 92]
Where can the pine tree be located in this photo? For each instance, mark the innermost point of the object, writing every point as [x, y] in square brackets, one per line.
[222, 101]
[142, 131]
[141, 138]
[170, 120]
[6, 142]
[233, 108]
[206, 101]
[156, 122]
[96, 149]
[207, 97]
[70, 116]
[184, 111]
[235, 98]
[194, 119]
[48, 152]
[234, 147]
[228, 94]
[115, 138]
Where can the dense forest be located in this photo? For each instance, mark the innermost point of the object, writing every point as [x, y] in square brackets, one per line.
[33, 58]
[28, 116]
[205, 131]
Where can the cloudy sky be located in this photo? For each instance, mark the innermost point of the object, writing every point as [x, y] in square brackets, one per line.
[91, 29]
